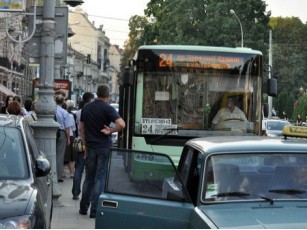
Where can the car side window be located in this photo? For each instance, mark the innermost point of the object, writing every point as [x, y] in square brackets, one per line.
[189, 170]
[34, 151]
[141, 178]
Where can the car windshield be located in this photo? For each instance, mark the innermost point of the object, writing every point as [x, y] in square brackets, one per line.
[12, 157]
[268, 176]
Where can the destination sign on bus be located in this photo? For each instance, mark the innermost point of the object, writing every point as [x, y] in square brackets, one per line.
[199, 61]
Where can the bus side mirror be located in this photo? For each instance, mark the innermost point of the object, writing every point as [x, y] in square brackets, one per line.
[128, 75]
[272, 87]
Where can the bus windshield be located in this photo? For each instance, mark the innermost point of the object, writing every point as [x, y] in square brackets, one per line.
[198, 92]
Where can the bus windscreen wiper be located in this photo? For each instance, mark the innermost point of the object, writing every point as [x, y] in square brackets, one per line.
[169, 130]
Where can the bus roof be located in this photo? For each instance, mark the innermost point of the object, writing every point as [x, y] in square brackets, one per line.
[201, 48]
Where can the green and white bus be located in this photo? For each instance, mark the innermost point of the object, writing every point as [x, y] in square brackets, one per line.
[171, 93]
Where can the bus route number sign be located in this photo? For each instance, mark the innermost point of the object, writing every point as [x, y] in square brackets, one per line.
[158, 126]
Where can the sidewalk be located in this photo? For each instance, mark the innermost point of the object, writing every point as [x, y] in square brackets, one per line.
[66, 211]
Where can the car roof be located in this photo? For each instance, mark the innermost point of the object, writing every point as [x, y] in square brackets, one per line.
[10, 120]
[236, 144]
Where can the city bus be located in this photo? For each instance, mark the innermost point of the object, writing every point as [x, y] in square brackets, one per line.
[171, 93]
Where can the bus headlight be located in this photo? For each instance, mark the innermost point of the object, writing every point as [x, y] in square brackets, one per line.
[144, 157]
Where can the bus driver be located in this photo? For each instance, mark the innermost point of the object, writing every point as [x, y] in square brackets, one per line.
[231, 112]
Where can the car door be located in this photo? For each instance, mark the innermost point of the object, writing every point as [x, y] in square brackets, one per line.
[43, 184]
[127, 203]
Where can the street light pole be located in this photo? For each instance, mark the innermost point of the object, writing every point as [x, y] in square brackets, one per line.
[234, 13]
[45, 127]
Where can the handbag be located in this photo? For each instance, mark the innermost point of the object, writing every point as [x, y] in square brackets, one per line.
[77, 145]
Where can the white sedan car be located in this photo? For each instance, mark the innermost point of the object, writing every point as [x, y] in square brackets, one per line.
[273, 127]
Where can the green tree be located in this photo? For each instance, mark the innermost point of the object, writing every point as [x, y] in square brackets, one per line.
[284, 102]
[289, 53]
[138, 30]
[200, 22]
[301, 108]
[209, 22]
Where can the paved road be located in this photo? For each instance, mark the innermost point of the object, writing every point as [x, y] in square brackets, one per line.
[66, 211]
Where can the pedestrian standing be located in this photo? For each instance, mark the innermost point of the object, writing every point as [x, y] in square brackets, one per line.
[95, 132]
[69, 154]
[63, 137]
[30, 114]
[8, 100]
[299, 120]
[18, 99]
[285, 115]
[79, 156]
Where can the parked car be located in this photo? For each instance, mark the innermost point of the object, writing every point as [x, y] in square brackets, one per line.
[221, 182]
[25, 180]
[274, 127]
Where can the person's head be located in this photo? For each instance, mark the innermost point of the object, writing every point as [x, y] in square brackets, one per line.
[17, 98]
[81, 104]
[88, 97]
[298, 116]
[28, 104]
[1, 104]
[8, 100]
[230, 103]
[59, 99]
[103, 91]
[70, 104]
[14, 108]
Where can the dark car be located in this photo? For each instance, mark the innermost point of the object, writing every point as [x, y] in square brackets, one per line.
[25, 179]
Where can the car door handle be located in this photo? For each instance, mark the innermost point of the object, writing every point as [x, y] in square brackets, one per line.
[109, 204]
[48, 182]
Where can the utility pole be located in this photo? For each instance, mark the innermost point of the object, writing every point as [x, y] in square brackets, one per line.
[45, 127]
[270, 99]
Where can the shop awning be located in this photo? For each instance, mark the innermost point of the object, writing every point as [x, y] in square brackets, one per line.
[6, 91]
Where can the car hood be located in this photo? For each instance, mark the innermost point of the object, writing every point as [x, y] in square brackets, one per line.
[14, 198]
[262, 215]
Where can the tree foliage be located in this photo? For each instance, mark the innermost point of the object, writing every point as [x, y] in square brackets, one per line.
[210, 23]
[200, 22]
[289, 56]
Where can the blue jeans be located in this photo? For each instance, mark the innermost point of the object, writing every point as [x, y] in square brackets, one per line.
[96, 163]
[79, 168]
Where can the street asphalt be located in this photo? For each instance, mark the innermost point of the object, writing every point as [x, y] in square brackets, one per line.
[66, 210]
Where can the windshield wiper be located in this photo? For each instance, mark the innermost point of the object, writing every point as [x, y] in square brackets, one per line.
[169, 130]
[242, 194]
[289, 191]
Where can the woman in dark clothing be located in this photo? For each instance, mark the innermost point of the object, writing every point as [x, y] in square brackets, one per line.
[8, 100]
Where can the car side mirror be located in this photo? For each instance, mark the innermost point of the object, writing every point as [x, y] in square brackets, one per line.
[42, 167]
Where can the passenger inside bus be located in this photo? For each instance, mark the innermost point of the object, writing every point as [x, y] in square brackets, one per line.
[229, 117]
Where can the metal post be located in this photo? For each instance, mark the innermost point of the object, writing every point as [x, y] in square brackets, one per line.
[270, 99]
[45, 127]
